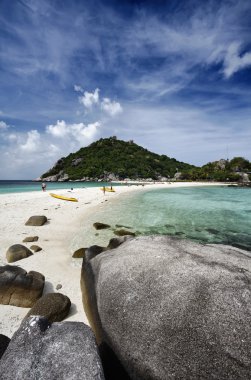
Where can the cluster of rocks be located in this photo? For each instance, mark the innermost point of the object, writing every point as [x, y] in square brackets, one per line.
[159, 307]
[60, 177]
[120, 231]
[18, 251]
[21, 289]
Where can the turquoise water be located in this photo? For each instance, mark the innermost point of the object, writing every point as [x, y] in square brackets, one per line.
[7, 187]
[204, 214]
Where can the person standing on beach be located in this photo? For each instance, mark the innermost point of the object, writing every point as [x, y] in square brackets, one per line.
[43, 186]
[104, 190]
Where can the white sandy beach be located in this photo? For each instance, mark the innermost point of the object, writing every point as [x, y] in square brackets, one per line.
[55, 260]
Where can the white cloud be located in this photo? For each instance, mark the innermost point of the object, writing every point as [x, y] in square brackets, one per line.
[89, 98]
[3, 125]
[78, 88]
[58, 130]
[77, 132]
[32, 142]
[233, 62]
[111, 107]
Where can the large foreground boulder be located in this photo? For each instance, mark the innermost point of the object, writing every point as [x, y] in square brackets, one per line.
[17, 252]
[53, 306]
[4, 341]
[19, 288]
[172, 309]
[61, 351]
[36, 220]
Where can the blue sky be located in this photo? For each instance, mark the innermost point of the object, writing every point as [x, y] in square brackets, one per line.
[174, 76]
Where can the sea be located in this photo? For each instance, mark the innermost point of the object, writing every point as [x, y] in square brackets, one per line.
[215, 214]
[23, 186]
[210, 215]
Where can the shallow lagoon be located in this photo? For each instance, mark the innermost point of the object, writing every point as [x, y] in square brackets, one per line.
[204, 214]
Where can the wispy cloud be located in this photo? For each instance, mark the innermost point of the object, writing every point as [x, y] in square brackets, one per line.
[234, 61]
[89, 98]
[79, 132]
[3, 125]
[111, 107]
[168, 75]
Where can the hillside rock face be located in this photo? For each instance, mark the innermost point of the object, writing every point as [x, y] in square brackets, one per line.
[59, 351]
[172, 309]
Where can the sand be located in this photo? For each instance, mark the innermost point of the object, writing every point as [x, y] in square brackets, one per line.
[55, 260]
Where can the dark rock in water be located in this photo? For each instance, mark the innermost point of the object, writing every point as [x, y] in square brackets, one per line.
[172, 309]
[198, 229]
[212, 231]
[115, 242]
[59, 351]
[53, 306]
[29, 239]
[169, 226]
[246, 247]
[19, 288]
[179, 233]
[36, 220]
[100, 226]
[79, 253]
[122, 226]
[123, 232]
[36, 248]
[59, 286]
[4, 341]
[17, 252]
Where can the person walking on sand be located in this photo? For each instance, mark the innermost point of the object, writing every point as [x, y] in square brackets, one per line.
[104, 190]
[43, 186]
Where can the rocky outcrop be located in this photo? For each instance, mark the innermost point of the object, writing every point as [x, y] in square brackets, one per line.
[61, 177]
[35, 248]
[59, 351]
[115, 242]
[123, 232]
[36, 220]
[100, 226]
[4, 341]
[76, 161]
[79, 253]
[30, 239]
[17, 252]
[53, 306]
[221, 164]
[19, 288]
[172, 309]
[244, 177]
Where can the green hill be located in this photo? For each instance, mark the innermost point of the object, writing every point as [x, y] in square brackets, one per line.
[111, 158]
[237, 169]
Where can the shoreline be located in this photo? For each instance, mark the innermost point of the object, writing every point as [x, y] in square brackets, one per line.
[65, 220]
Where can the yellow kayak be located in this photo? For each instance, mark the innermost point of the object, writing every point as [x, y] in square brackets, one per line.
[108, 189]
[63, 198]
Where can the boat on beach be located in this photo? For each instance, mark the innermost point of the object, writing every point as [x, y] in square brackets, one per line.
[108, 189]
[63, 197]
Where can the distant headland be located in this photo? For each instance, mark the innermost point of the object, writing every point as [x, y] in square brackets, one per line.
[111, 159]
